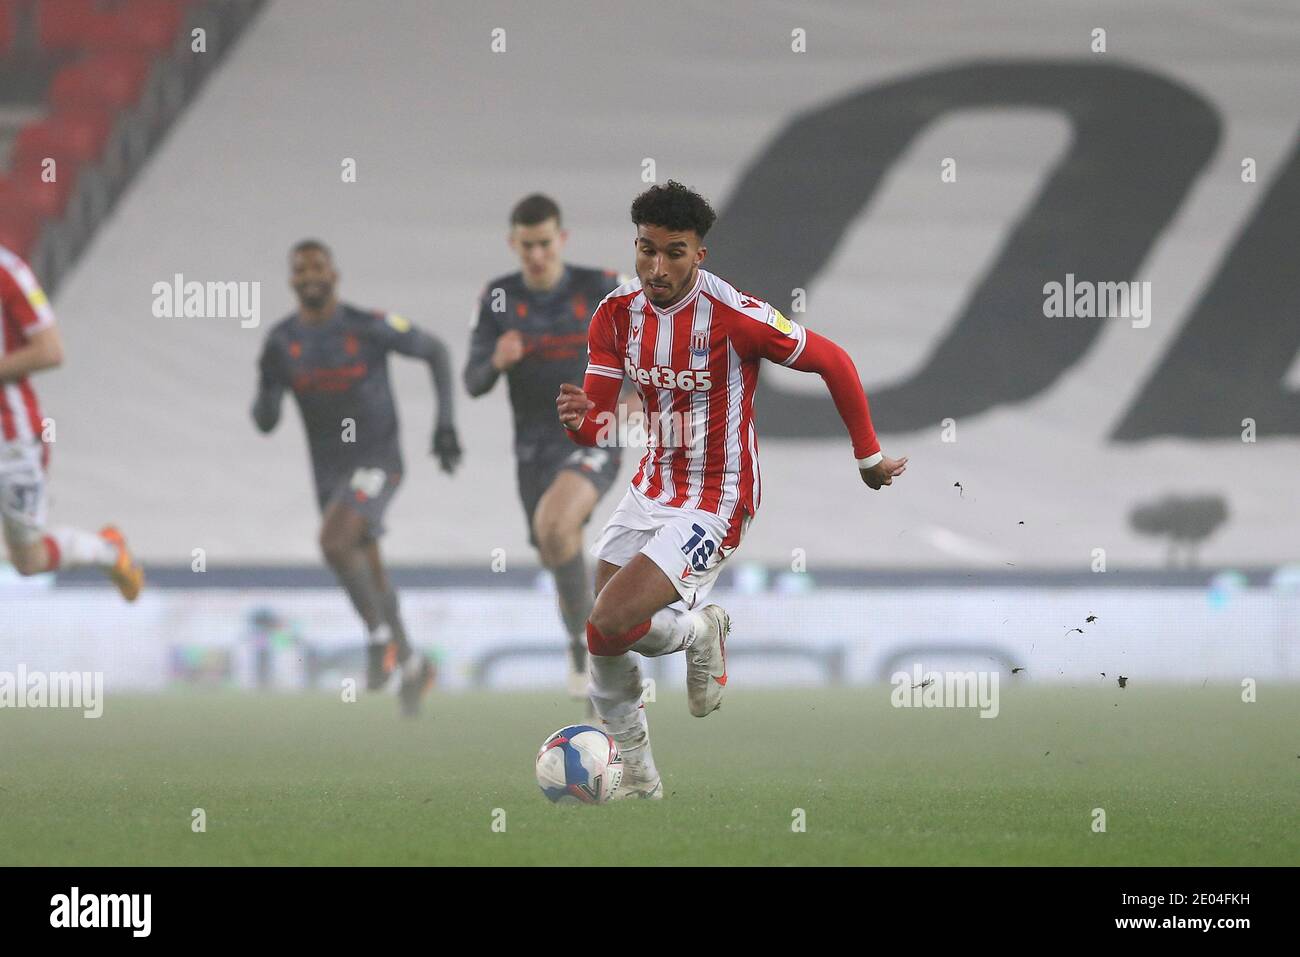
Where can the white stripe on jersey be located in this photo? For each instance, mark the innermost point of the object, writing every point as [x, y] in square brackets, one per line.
[635, 323]
[605, 371]
[19, 413]
[730, 498]
[757, 490]
[698, 412]
[664, 358]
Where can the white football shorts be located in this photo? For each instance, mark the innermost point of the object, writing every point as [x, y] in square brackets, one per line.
[686, 543]
[22, 490]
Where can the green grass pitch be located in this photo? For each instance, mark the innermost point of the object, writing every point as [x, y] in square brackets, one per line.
[1185, 775]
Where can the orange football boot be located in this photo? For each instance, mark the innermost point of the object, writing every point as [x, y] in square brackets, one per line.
[126, 573]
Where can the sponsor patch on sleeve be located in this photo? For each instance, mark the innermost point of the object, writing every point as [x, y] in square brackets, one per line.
[780, 322]
[399, 323]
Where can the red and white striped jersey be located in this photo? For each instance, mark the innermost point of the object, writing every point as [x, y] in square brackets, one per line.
[24, 310]
[695, 364]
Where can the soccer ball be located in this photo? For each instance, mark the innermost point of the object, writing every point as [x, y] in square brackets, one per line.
[579, 764]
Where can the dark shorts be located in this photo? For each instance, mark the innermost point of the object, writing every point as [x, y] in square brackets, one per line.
[365, 490]
[598, 466]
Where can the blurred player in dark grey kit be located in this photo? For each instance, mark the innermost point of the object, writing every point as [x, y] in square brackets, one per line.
[334, 357]
[531, 325]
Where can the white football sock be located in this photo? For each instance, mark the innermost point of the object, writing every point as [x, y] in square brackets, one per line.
[381, 635]
[634, 747]
[78, 548]
[670, 631]
[616, 695]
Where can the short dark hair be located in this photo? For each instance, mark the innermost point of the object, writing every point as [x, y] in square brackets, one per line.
[311, 245]
[675, 207]
[534, 209]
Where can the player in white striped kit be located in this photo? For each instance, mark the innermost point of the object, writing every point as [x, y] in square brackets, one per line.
[30, 344]
[692, 343]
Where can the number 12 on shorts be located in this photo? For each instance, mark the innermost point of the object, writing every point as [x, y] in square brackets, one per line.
[700, 555]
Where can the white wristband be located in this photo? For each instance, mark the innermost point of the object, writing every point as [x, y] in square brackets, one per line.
[870, 460]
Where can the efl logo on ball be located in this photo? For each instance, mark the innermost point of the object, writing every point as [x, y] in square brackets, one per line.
[579, 765]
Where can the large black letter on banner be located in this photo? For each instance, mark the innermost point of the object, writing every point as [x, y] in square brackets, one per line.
[1230, 357]
[1139, 141]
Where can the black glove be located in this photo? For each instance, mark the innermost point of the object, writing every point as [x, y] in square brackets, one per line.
[446, 447]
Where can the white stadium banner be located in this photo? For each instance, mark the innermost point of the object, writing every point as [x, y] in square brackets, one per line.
[510, 638]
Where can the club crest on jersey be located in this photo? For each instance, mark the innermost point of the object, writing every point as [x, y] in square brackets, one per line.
[700, 344]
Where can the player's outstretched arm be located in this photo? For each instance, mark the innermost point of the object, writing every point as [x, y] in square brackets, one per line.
[416, 342]
[270, 390]
[835, 366]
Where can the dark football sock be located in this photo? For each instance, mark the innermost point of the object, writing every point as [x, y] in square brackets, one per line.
[573, 587]
[354, 575]
[393, 616]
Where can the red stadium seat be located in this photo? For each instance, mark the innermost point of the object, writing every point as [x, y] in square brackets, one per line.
[62, 24]
[78, 135]
[24, 189]
[19, 226]
[109, 81]
[8, 23]
[141, 25]
[148, 26]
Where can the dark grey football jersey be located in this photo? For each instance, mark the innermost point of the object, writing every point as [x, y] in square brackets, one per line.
[554, 329]
[338, 373]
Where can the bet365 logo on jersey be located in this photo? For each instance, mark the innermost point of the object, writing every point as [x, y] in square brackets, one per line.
[664, 377]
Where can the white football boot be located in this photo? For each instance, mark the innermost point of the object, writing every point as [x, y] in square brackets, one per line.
[631, 787]
[706, 662]
[638, 782]
[640, 776]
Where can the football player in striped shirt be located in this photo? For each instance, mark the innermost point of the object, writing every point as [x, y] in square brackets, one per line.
[31, 343]
[692, 343]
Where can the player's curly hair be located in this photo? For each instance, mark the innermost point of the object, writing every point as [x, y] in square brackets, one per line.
[675, 207]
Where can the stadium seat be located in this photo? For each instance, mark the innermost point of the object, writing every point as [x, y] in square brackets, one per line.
[72, 140]
[108, 82]
[8, 11]
[19, 226]
[61, 24]
[147, 26]
[50, 199]
[79, 135]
